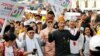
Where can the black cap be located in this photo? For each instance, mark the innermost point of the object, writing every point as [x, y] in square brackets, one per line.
[30, 28]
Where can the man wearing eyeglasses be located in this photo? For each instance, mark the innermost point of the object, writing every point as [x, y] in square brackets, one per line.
[30, 44]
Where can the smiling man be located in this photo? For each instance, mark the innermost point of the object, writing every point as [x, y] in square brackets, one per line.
[62, 38]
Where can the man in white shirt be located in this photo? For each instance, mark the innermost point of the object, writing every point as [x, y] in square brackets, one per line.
[31, 42]
[74, 45]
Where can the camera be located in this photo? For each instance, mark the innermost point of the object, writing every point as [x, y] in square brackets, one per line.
[34, 51]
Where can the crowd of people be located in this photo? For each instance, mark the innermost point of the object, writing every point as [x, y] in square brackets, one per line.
[37, 32]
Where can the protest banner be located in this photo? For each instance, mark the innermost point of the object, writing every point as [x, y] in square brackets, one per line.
[11, 10]
[63, 3]
[71, 15]
[57, 6]
[43, 12]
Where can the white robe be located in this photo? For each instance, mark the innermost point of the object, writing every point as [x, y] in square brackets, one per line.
[33, 44]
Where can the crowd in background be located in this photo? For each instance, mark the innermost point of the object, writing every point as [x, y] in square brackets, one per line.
[56, 38]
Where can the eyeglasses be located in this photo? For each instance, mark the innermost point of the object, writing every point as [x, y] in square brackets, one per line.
[50, 21]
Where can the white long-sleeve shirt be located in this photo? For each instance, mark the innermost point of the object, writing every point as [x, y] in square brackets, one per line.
[86, 45]
[75, 46]
[30, 43]
[79, 45]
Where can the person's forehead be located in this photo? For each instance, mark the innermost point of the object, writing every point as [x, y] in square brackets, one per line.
[87, 28]
[83, 14]
[50, 15]
[72, 21]
[49, 20]
[62, 22]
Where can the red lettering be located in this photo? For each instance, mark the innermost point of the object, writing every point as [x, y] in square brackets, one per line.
[7, 4]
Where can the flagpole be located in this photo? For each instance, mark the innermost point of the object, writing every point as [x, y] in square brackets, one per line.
[3, 28]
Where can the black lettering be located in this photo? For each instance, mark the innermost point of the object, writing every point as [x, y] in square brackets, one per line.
[8, 8]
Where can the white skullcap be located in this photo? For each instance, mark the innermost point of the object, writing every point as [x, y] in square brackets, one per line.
[73, 18]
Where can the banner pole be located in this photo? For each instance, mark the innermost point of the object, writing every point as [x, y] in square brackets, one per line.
[3, 28]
